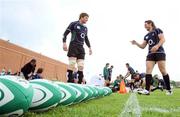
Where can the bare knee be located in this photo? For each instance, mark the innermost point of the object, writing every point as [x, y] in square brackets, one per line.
[148, 70]
[162, 67]
[149, 67]
[163, 71]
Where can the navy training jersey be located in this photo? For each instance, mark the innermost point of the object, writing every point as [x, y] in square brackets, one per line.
[152, 39]
[79, 34]
[142, 75]
[131, 70]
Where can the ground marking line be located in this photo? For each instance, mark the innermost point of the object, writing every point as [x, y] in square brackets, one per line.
[131, 107]
[160, 110]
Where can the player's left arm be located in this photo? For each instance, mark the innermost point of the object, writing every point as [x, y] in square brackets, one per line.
[161, 41]
[88, 44]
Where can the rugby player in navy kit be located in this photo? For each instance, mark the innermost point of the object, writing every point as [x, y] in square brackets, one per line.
[76, 52]
[155, 39]
[130, 71]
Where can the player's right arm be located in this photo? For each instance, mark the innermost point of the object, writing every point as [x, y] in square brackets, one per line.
[127, 74]
[142, 46]
[68, 30]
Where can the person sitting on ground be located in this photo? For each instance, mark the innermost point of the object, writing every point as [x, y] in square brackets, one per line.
[139, 79]
[160, 84]
[17, 73]
[3, 72]
[116, 84]
[28, 69]
[9, 72]
[38, 74]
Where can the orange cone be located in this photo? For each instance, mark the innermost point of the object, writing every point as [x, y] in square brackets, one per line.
[122, 87]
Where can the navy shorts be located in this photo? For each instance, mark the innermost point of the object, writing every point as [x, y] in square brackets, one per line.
[76, 51]
[156, 57]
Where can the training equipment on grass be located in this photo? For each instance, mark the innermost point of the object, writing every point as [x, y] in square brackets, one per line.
[122, 89]
[18, 95]
[88, 91]
[95, 93]
[110, 91]
[80, 93]
[68, 93]
[107, 91]
[46, 95]
[101, 91]
[15, 96]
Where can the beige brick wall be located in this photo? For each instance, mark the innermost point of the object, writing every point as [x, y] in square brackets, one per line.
[14, 57]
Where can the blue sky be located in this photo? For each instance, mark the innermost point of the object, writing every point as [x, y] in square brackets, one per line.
[39, 24]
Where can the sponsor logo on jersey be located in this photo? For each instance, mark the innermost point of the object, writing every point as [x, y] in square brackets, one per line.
[83, 35]
[150, 42]
[78, 27]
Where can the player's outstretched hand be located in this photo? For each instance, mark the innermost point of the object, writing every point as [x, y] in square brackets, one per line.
[90, 51]
[133, 42]
[65, 47]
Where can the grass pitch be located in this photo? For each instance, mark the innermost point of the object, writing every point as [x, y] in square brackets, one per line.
[155, 105]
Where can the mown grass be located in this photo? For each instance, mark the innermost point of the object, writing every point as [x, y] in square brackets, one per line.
[113, 105]
[109, 106]
[169, 105]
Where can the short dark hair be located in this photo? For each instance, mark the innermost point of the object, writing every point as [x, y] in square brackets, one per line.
[127, 64]
[40, 70]
[107, 64]
[33, 60]
[151, 22]
[83, 15]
